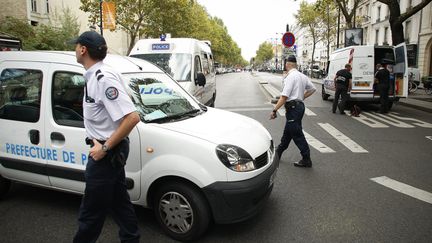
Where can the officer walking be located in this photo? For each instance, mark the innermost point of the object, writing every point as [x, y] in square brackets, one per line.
[382, 77]
[297, 87]
[109, 116]
[343, 82]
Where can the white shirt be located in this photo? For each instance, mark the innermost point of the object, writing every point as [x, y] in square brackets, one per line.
[110, 101]
[295, 84]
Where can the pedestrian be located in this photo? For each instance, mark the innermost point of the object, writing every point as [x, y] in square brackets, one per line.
[382, 77]
[343, 84]
[296, 88]
[109, 116]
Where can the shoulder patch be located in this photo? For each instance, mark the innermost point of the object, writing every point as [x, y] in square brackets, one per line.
[111, 93]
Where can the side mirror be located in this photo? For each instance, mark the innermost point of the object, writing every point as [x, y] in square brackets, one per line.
[200, 79]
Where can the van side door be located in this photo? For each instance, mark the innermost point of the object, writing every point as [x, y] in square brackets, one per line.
[65, 133]
[23, 152]
[400, 70]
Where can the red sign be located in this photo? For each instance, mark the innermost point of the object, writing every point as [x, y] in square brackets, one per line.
[288, 39]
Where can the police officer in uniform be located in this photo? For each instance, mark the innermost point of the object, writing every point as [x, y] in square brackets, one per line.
[343, 82]
[297, 87]
[109, 116]
[382, 77]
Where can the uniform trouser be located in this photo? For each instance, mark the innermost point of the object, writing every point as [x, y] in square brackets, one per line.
[384, 90]
[105, 193]
[341, 91]
[294, 131]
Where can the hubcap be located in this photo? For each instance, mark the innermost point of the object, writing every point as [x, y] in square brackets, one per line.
[176, 212]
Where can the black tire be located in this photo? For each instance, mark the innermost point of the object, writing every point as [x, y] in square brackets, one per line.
[194, 214]
[323, 94]
[5, 185]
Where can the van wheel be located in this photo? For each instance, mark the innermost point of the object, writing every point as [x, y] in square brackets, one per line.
[323, 94]
[181, 210]
[5, 185]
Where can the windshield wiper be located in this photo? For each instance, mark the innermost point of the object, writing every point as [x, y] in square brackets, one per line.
[191, 113]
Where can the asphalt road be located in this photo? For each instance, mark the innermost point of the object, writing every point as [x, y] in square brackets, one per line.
[340, 199]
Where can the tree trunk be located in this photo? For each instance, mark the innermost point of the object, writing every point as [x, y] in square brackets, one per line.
[396, 23]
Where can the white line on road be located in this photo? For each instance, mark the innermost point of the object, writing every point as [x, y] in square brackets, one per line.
[309, 112]
[404, 188]
[344, 140]
[429, 137]
[415, 121]
[317, 144]
[370, 122]
[389, 120]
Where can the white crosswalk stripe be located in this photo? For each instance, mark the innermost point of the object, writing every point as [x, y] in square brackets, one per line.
[344, 140]
[369, 122]
[313, 142]
[415, 121]
[404, 188]
[389, 120]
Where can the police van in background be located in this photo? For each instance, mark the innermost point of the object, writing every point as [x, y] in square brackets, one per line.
[363, 60]
[191, 163]
[189, 61]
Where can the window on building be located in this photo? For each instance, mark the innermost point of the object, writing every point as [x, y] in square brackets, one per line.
[376, 36]
[20, 94]
[386, 35]
[407, 30]
[67, 97]
[33, 6]
[378, 14]
[365, 36]
[47, 6]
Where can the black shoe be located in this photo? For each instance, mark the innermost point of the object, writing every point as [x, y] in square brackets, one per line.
[303, 163]
[343, 113]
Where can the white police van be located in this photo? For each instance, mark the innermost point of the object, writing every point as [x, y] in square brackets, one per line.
[363, 61]
[192, 164]
[188, 61]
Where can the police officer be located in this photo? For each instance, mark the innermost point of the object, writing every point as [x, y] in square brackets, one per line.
[109, 116]
[343, 82]
[382, 77]
[297, 87]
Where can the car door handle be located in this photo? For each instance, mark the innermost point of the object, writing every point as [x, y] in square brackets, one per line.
[56, 136]
[34, 136]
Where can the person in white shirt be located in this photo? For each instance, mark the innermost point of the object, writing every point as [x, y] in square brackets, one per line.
[297, 87]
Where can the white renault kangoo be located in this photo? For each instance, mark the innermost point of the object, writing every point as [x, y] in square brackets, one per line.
[192, 164]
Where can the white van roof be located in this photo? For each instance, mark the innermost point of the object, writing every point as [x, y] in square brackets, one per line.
[170, 45]
[121, 64]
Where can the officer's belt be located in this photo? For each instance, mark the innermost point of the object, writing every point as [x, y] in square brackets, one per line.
[293, 102]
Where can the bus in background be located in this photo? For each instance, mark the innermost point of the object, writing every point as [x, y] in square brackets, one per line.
[189, 61]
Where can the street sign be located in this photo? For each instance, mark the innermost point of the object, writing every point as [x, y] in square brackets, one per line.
[288, 39]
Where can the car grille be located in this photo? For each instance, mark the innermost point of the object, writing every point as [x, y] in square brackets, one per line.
[262, 160]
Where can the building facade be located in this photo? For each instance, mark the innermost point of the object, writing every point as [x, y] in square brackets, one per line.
[46, 12]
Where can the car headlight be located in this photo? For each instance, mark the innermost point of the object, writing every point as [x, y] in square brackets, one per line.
[235, 158]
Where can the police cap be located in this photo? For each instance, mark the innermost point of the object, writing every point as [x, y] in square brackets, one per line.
[90, 39]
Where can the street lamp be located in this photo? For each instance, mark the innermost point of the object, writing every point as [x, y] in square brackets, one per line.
[276, 53]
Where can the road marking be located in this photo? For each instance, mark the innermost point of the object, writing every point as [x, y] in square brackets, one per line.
[309, 112]
[404, 188]
[344, 140]
[317, 144]
[415, 121]
[389, 120]
[429, 137]
[370, 122]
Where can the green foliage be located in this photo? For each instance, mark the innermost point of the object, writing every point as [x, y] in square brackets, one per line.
[180, 18]
[264, 53]
[43, 37]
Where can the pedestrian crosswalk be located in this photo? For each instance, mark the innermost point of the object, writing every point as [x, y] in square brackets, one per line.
[370, 119]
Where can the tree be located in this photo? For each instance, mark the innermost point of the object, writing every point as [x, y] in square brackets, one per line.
[264, 53]
[327, 16]
[348, 13]
[396, 18]
[308, 17]
[53, 36]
